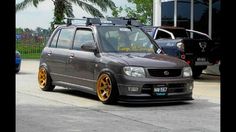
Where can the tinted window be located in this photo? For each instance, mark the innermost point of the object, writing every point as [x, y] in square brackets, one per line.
[54, 40]
[178, 32]
[162, 34]
[82, 36]
[65, 38]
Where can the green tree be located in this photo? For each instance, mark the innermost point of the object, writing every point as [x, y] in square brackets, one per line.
[64, 8]
[19, 30]
[142, 12]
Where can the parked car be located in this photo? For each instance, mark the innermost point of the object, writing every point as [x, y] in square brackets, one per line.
[115, 62]
[18, 61]
[194, 47]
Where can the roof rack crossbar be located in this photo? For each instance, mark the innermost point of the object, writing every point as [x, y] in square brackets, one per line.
[108, 20]
[84, 20]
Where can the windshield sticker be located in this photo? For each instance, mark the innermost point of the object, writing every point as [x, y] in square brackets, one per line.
[125, 29]
[158, 51]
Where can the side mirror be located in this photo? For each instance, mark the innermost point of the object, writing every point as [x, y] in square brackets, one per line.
[90, 46]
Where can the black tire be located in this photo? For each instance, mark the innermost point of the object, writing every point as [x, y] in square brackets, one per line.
[44, 80]
[17, 71]
[112, 97]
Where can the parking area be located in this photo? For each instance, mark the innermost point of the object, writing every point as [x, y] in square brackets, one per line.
[66, 110]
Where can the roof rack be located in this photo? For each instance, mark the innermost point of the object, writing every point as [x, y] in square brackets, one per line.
[83, 21]
[100, 21]
[125, 21]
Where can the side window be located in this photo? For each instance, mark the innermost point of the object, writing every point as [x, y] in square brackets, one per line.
[82, 36]
[162, 34]
[54, 40]
[65, 38]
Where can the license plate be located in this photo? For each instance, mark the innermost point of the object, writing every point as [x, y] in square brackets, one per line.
[201, 59]
[160, 91]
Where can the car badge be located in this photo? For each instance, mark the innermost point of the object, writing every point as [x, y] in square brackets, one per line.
[203, 45]
[166, 73]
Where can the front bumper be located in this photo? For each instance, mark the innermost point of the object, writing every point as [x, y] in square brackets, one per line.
[178, 89]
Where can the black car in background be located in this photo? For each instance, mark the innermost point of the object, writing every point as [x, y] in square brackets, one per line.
[194, 47]
[113, 61]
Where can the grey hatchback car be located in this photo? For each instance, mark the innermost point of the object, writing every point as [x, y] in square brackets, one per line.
[115, 62]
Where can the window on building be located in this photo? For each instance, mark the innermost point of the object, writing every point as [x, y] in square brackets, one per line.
[183, 13]
[216, 20]
[167, 13]
[201, 15]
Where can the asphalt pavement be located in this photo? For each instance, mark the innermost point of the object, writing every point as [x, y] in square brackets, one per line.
[67, 110]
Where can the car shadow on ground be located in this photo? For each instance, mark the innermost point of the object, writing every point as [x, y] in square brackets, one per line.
[121, 104]
[208, 78]
[147, 104]
[76, 93]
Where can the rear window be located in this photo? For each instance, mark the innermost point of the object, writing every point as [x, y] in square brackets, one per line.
[178, 33]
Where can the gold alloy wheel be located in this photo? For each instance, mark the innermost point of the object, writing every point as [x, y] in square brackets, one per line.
[42, 77]
[104, 87]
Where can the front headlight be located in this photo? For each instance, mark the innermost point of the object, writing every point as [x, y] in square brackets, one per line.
[134, 71]
[187, 72]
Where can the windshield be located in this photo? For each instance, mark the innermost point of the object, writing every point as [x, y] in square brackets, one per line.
[125, 39]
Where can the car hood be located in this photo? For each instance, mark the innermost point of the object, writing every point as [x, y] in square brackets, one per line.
[148, 60]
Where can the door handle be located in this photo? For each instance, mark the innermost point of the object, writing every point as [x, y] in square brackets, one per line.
[71, 56]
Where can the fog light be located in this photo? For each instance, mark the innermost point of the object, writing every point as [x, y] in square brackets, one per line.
[133, 89]
[191, 87]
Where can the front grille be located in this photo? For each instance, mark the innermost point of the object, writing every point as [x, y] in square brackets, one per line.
[164, 72]
[172, 88]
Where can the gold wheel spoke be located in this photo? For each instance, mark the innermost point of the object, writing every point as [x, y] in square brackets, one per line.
[103, 87]
[103, 82]
[104, 93]
[107, 93]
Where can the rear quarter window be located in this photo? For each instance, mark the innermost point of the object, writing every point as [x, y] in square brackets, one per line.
[54, 39]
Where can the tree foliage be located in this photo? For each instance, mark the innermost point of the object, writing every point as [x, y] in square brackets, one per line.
[63, 8]
[142, 12]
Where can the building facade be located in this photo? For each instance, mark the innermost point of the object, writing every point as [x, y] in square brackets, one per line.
[200, 15]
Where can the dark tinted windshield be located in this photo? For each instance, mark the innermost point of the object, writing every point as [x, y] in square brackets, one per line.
[125, 39]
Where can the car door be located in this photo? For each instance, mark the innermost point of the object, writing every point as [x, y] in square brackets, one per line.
[58, 52]
[81, 64]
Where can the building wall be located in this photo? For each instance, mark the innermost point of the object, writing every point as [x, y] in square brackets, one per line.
[201, 8]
